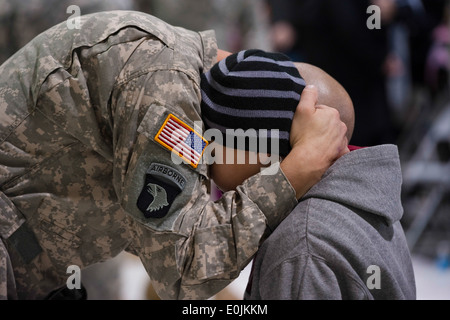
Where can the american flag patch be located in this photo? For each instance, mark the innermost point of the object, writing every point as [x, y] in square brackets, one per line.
[181, 139]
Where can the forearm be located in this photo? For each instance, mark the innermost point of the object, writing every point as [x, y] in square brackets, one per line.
[301, 171]
[231, 229]
[210, 242]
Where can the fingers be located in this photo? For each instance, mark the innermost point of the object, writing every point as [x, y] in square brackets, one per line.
[344, 147]
[339, 133]
[319, 126]
[342, 137]
[308, 99]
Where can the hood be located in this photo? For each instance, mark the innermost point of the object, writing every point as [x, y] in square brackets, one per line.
[369, 179]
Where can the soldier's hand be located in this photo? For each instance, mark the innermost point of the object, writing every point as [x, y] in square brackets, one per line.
[318, 138]
[318, 127]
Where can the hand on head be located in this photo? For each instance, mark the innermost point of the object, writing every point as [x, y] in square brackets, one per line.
[317, 134]
[320, 128]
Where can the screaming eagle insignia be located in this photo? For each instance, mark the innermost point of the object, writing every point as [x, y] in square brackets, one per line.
[162, 185]
[159, 197]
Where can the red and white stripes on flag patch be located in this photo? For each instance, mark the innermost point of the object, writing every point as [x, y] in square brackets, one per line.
[181, 139]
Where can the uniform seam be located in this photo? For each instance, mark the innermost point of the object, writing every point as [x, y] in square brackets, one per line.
[47, 158]
[140, 73]
[37, 166]
[14, 126]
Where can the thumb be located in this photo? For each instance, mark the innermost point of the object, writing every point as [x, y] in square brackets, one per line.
[308, 99]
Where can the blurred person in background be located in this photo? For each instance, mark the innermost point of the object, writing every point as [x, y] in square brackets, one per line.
[416, 66]
[421, 18]
[334, 36]
[239, 24]
[438, 59]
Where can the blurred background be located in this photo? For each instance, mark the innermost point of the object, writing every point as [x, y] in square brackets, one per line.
[395, 67]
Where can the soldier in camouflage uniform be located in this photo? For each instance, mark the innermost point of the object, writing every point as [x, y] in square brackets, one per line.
[79, 113]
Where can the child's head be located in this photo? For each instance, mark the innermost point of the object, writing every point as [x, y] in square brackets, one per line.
[254, 91]
[330, 93]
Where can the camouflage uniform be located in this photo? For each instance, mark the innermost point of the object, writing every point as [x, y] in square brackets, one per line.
[79, 112]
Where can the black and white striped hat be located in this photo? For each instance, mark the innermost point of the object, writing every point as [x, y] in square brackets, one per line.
[252, 89]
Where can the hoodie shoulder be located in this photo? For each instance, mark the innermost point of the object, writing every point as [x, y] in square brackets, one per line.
[367, 179]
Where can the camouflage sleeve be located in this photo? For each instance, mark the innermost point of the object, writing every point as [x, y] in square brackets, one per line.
[190, 246]
[209, 243]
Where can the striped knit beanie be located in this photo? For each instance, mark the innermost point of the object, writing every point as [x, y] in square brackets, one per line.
[252, 89]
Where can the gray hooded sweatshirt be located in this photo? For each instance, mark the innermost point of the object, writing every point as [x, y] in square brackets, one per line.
[344, 239]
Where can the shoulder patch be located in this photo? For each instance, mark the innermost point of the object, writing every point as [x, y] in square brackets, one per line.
[181, 139]
[162, 185]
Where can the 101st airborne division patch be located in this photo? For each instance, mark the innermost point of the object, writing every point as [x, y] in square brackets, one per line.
[162, 185]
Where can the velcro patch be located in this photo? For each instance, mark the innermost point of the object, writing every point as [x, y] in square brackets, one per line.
[181, 139]
[162, 185]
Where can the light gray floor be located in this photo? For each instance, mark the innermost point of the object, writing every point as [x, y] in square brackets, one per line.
[433, 283]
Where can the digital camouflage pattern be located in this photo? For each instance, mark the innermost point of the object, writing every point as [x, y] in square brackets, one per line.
[79, 110]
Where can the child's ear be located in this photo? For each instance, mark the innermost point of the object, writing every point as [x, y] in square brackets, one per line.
[222, 54]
